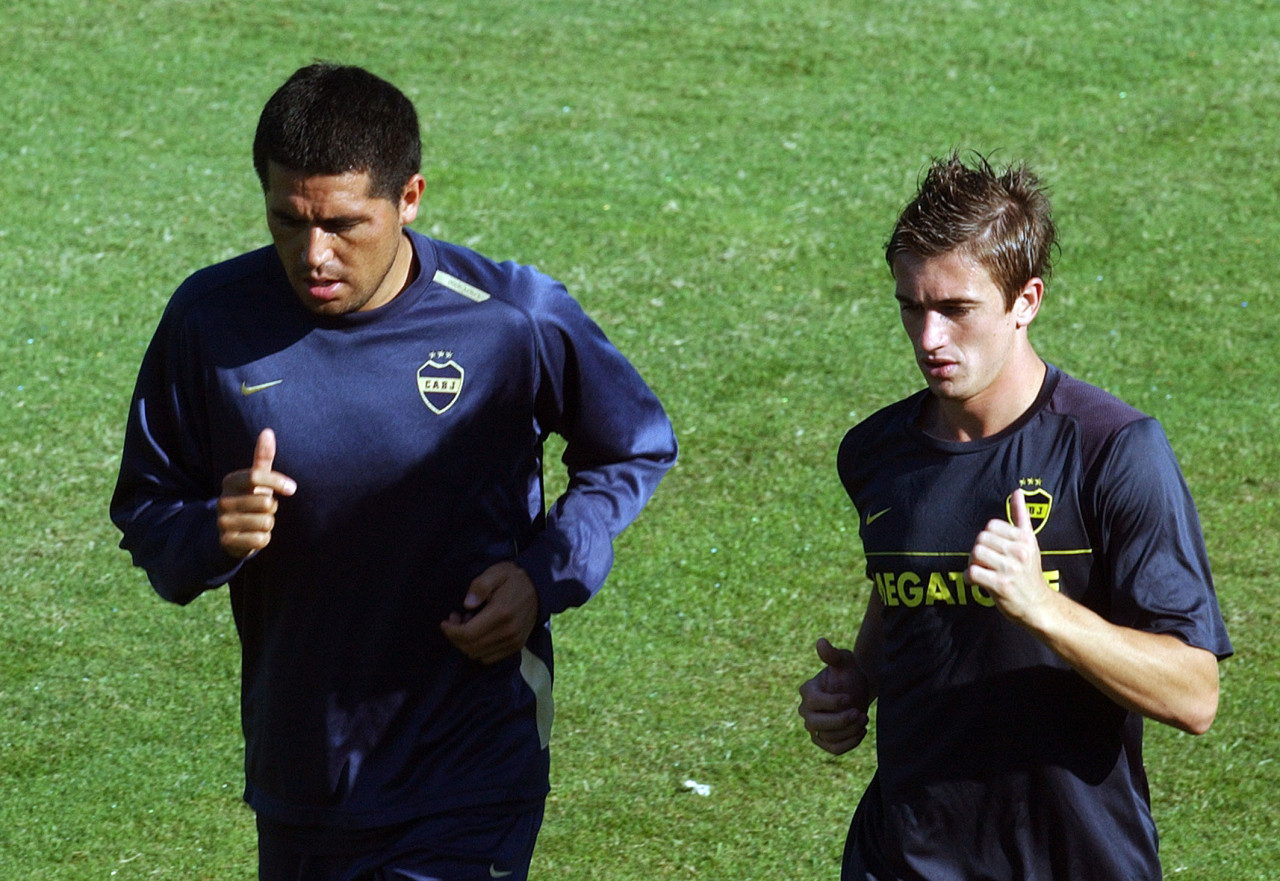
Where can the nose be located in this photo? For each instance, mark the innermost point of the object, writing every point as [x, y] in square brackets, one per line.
[318, 248]
[933, 334]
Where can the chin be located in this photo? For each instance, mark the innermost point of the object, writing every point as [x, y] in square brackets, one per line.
[321, 307]
[947, 390]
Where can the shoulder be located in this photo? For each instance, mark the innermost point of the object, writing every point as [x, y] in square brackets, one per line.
[887, 420]
[480, 278]
[1128, 465]
[1094, 407]
[862, 444]
[1101, 418]
[222, 284]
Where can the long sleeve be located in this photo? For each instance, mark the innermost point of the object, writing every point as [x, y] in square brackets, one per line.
[619, 445]
[165, 496]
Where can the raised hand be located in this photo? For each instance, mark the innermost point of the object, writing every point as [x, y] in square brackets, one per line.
[247, 506]
[834, 703]
[1005, 561]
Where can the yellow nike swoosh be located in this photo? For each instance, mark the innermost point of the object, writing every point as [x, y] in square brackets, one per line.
[872, 518]
[254, 389]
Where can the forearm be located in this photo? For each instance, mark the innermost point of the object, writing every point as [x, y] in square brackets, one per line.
[1156, 675]
[569, 560]
[176, 544]
[868, 649]
[834, 703]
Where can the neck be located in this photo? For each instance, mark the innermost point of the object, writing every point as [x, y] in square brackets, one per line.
[991, 411]
[406, 265]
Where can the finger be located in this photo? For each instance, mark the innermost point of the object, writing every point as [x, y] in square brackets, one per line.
[485, 645]
[239, 518]
[984, 552]
[453, 629]
[839, 745]
[850, 730]
[247, 485]
[1021, 518]
[241, 544]
[979, 575]
[243, 535]
[483, 586]
[832, 656]
[488, 635]
[262, 479]
[835, 727]
[998, 531]
[827, 710]
[473, 631]
[264, 452]
[995, 542]
[264, 456]
[238, 498]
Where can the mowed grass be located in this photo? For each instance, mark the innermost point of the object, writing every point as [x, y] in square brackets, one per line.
[714, 181]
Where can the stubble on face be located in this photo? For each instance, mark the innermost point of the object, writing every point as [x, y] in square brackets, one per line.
[343, 249]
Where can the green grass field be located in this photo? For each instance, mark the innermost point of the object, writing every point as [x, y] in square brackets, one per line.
[714, 181]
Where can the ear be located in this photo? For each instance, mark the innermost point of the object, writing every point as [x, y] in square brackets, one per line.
[1027, 303]
[411, 199]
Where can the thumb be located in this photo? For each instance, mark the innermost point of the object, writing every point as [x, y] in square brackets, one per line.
[483, 586]
[1021, 518]
[264, 452]
[264, 456]
[832, 656]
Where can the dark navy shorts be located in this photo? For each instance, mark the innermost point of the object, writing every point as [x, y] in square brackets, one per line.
[475, 845]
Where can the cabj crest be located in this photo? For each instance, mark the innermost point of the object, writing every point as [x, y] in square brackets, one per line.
[1039, 503]
[440, 384]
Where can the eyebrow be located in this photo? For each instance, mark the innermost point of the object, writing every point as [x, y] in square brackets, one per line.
[337, 219]
[945, 301]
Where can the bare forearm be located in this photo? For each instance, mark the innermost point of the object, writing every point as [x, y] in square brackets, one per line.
[1156, 675]
[868, 650]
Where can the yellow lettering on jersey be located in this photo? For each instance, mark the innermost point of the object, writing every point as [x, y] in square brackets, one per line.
[1038, 510]
[981, 597]
[913, 589]
[938, 592]
[905, 588]
[909, 589]
[885, 587]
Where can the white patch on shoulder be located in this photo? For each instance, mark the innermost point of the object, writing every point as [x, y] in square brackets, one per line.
[458, 286]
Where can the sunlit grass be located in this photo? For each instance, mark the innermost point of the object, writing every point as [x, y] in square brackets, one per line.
[714, 180]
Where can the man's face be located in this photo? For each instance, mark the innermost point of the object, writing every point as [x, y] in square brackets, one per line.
[343, 249]
[964, 337]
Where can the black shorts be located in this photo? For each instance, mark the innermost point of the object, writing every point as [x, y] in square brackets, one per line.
[476, 845]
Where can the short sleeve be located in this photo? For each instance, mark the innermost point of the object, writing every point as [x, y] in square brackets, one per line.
[1153, 543]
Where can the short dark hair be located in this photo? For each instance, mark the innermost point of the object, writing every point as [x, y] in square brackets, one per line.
[1002, 219]
[332, 119]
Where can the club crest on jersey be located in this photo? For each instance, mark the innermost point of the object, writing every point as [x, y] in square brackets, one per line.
[1039, 502]
[440, 381]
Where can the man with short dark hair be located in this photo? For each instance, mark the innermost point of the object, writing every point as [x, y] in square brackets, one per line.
[347, 428]
[1040, 583]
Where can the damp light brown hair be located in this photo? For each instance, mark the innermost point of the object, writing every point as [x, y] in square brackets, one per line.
[1000, 218]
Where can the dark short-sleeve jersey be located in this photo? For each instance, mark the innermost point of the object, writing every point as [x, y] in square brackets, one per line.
[996, 759]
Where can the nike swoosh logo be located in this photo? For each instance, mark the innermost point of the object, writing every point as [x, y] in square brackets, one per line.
[872, 518]
[254, 389]
[495, 872]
